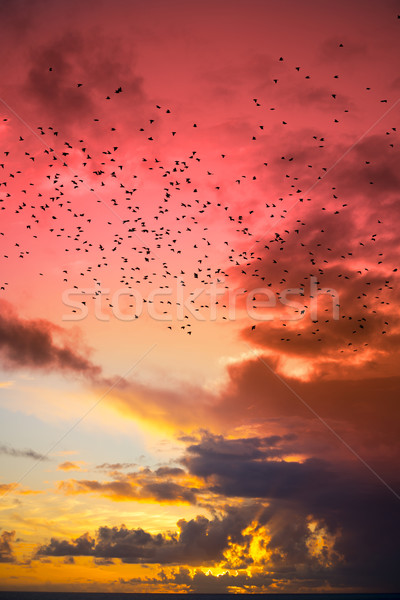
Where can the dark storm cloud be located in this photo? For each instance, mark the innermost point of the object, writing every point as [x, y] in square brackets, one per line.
[32, 344]
[256, 473]
[216, 447]
[348, 501]
[354, 514]
[243, 468]
[198, 541]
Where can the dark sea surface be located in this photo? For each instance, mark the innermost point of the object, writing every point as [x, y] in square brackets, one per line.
[132, 596]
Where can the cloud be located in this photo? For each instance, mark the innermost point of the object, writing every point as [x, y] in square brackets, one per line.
[6, 551]
[165, 485]
[199, 582]
[248, 468]
[352, 508]
[81, 546]
[96, 61]
[252, 398]
[198, 541]
[22, 453]
[6, 487]
[269, 511]
[214, 447]
[115, 466]
[68, 466]
[39, 344]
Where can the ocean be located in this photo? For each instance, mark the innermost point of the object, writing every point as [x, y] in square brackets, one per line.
[133, 596]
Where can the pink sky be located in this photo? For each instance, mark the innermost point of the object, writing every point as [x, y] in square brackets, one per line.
[251, 152]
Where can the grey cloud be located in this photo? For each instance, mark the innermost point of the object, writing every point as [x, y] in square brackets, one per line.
[28, 453]
[6, 550]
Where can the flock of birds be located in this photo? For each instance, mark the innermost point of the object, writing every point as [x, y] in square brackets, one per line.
[164, 216]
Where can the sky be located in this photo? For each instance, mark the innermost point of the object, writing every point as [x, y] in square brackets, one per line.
[199, 290]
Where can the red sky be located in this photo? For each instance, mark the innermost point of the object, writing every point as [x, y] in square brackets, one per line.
[199, 334]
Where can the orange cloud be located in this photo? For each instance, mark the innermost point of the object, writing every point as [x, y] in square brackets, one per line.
[165, 485]
[69, 466]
